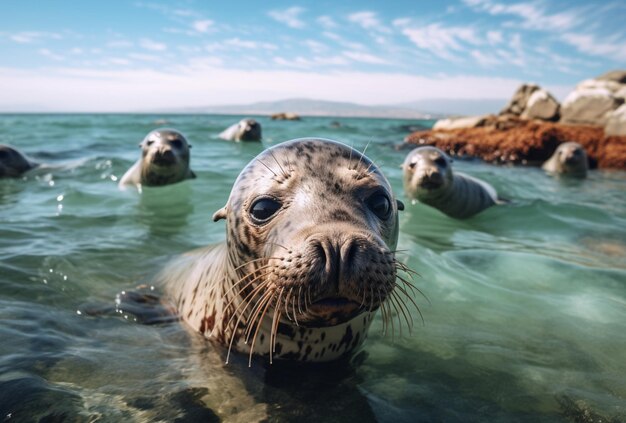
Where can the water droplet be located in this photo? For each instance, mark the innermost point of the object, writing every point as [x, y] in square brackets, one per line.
[60, 197]
[78, 312]
[113, 178]
[51, 183]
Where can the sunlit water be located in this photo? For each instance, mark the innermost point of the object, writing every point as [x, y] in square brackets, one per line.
[526, 320]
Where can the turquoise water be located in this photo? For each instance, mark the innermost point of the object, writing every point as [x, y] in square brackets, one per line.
[526, 319]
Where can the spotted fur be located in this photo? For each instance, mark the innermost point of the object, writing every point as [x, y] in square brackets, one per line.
[164, 160]
[244, 130]
[428, 178]
[306, 283]
[13, 163]
[569, 159]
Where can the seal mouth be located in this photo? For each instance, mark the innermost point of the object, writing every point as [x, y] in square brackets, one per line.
[334, 304]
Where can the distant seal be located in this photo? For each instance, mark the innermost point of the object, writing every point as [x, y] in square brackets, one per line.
[428, 178]
[569, 159]
[311, 230]
[13, 163]
[164, 160]
[244, 130]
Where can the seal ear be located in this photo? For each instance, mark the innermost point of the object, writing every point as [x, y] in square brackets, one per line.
[400, 205]
[220, 214]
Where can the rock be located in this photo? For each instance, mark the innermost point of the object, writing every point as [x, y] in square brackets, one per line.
[285, 116]
[520, 141]
[620, 94]
[616, 75]
[588, 106]
[459, 122]
[593, 84]
[519, 100]
[616, 122]
[541, 105]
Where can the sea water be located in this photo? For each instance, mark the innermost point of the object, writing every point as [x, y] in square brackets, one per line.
[524, 320]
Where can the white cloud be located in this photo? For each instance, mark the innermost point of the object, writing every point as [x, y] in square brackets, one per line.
[27, 37]
[326, 22]
[202, 26]
[128, 89]
[145, 57]
[315, 46]
[307, 63]
[484, 59]
[494, 37]
[612, 48]
[533, 15]
[442, 41]
[149, 44]
[288, 16]
[50, 55]
[236, 42]
[343, 42]
[358, 56]
[118, 61]
[368, 20]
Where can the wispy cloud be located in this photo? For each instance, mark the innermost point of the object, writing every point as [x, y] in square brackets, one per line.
[149, 44]
[327, 22]
[119, 44]
[202, 26]
[352, 45]
[442, 41]
[315, 46]
[27, 37]
[532, 14]
[368, 20]
[358, 56]
[289, 17]
[50, 55]
[612, 47]
[248, 44]
[307, 63]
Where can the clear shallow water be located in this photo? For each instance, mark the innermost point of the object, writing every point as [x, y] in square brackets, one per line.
[526, 321]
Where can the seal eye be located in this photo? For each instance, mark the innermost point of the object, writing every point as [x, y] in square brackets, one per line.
[263, 209]
[149, 142]
[380, 204]
[440, 161]
[177, 144]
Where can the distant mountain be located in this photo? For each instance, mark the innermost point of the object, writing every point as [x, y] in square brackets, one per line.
[457, 106]
[309, 107]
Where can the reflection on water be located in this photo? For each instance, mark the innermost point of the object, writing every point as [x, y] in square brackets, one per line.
[526, 320]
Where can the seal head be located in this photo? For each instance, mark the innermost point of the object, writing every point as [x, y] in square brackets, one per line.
[427, 171]
[13, 163]
[569, 159]
[244, 130]
[312, 227]
[164, 160]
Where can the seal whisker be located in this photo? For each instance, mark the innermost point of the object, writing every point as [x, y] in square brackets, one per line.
[275, 320]
[406, 294]
[287, 298]
[299, 298]
[254, 261]
[362, 155]
[245, 304]
[285, 174]
[390, 301]
[268, 168]
[258, 326]
[412, 287]
[266, 297]
[403, 309]
[245, 287]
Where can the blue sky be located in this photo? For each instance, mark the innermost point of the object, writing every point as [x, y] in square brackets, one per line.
[143, 55]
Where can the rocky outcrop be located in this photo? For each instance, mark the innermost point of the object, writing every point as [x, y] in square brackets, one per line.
[616, 122]
[588, 106]
[285, 116]
[518, 102]
[460, 122]
[541, 105]
[615, 75]
[521, 141]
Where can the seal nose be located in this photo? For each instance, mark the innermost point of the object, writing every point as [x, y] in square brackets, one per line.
[165, 156]
[338, 258]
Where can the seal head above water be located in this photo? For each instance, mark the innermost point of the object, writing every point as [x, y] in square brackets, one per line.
[244, 130]
[569, 159]
[309, 257]
[164, 160]
[13, 163]
[428, 177]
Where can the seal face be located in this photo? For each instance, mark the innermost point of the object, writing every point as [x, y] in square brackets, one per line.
[428, 177]
[569, 159]
[244, 130]
[164, 160]
[13, 163]
[309, 257]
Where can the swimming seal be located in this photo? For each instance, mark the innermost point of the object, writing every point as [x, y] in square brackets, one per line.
[428, 178]
[13, 163]
[569, 159]
[164, 160]
[311, 228]
[244, 130]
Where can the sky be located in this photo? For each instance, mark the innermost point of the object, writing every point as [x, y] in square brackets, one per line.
[124, 56]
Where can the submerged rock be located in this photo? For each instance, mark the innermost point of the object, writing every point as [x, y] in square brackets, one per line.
[285, 116]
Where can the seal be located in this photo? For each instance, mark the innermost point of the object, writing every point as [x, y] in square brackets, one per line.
[569, 159]
[309, 257]
[13, 163]
[164, 160]
[244, 130]
[428, 178]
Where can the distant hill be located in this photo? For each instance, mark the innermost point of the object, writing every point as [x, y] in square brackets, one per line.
[309, 107]
[421, 109]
